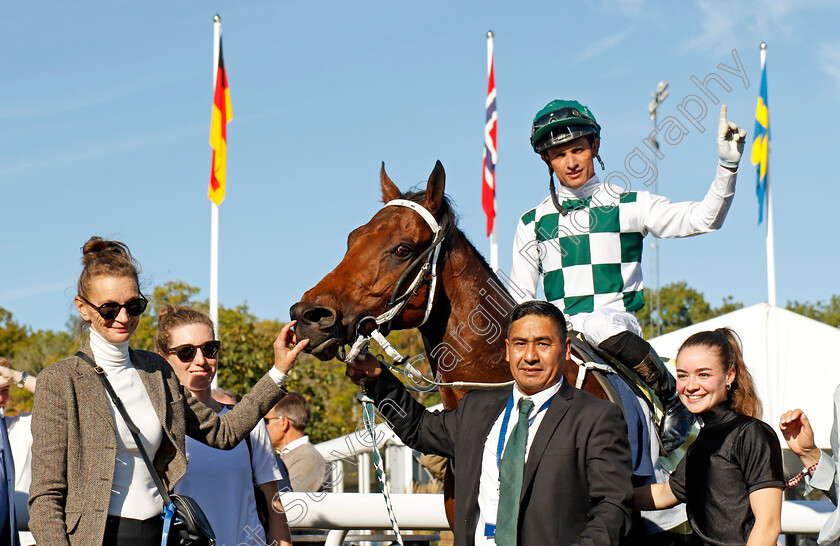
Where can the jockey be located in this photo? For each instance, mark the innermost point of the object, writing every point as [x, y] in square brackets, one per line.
[585, 241]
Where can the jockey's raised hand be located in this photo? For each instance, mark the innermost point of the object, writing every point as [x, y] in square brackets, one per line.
[730, 141]
[364, 368]
[284, 358]
[799, 436]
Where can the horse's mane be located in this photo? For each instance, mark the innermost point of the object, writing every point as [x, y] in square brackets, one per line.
[448, 221]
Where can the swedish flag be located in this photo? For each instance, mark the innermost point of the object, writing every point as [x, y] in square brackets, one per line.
[760, 144]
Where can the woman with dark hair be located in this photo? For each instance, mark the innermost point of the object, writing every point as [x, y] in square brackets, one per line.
[186, 340]
[90, 484]
[731, 478]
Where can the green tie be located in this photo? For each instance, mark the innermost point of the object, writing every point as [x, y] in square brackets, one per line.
[510, 478]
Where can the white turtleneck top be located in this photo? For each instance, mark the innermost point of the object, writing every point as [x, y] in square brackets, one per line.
[133, 493]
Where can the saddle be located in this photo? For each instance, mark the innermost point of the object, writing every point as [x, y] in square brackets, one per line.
[617, 380]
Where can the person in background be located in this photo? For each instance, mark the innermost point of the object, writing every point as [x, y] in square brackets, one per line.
[20, 438]
[90, 484]
[224, 396]
[819, 468]
[8, 520]
[287, 422]
[731, 478]
[185, 338]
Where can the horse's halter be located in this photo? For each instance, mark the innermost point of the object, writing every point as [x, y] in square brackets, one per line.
[396, 304]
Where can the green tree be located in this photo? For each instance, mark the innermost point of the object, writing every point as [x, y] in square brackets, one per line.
[247, 354]
[681, 306]
[12, 334]
[171, 293]
[824, 311]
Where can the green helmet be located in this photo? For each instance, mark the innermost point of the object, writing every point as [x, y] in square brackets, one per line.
[562, 121]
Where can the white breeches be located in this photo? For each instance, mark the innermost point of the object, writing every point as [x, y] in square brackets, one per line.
[602, 324]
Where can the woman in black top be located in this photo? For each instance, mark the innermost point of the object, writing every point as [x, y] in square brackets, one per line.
[731, 478]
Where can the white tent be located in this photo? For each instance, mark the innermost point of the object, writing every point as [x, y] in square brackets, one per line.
[794, 360]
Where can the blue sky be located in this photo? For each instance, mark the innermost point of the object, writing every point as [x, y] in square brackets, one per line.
[105, 117]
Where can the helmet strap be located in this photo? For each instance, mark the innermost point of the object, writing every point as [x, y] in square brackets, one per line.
[598, 157]
[553, 191]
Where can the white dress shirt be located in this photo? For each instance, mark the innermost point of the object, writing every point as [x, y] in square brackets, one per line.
[488, 484]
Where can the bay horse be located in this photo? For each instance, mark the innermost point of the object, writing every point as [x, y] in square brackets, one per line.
[460, 306]
[464, 334]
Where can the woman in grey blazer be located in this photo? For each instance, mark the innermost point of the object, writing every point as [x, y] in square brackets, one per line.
[89, 483]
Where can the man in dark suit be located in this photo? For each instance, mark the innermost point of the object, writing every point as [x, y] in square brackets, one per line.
[575, 470]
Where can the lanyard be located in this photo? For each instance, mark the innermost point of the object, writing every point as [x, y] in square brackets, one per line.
[503, 432]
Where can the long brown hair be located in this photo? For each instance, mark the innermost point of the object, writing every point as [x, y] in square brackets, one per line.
[726, 344]
[172, 317]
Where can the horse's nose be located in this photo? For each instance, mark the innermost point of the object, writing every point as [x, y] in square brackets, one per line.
[314, 315]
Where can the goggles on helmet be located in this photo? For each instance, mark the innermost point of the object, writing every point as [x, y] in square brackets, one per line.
[559, 115]
[560, 122]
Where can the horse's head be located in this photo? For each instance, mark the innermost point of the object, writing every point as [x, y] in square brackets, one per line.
[383, 257]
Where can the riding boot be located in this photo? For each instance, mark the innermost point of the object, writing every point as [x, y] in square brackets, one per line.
[631, 350]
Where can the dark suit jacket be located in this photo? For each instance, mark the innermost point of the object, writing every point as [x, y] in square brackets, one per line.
[75, 441]
[576, 487]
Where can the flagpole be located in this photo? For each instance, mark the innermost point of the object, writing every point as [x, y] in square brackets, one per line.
[494, 243]
[771, 254]
[214, 209]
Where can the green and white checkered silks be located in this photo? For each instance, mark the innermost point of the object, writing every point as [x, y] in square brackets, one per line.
[591, 258]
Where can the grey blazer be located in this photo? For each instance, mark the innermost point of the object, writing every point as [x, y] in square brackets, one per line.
[75, 441]
[827, 479]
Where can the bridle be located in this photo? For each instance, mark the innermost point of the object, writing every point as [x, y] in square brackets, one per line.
[396, 304]
[430, 255]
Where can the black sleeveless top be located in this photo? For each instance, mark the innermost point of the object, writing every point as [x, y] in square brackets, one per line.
[733, 456]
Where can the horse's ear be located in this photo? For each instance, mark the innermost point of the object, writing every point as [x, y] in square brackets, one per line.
[434, 190]
[390, 191]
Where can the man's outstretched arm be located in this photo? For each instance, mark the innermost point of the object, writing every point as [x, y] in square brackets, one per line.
[425, 431]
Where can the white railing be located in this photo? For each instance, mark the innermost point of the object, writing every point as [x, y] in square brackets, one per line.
[341, 512]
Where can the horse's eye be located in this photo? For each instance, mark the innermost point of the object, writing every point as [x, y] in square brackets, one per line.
[403, 251]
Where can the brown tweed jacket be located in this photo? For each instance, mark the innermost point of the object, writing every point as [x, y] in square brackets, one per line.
[75, 442]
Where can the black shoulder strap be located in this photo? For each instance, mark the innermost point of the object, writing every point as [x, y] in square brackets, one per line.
[135, 432]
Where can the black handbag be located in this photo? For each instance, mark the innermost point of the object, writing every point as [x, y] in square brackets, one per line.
[189, 526]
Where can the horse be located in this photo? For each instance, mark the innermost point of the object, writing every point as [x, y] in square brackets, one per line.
[465, 331]
[458, 303]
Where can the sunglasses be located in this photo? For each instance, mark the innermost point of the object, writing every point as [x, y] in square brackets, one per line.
[559, 114]
[110, 309]
[186, 352]
[268, 420]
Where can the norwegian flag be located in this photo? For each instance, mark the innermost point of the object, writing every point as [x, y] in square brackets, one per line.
[488, 183]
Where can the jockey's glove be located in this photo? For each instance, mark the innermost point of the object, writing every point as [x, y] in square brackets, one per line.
[730, 141]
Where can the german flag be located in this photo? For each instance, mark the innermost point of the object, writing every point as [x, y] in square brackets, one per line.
[218, 132]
